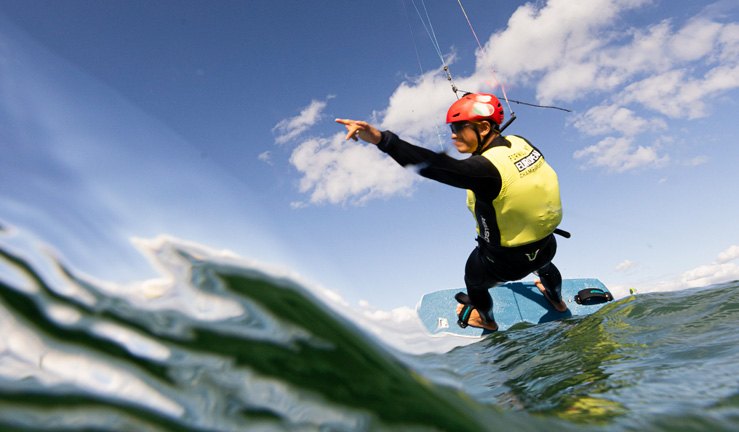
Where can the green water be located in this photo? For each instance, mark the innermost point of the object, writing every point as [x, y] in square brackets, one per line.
[221, 347]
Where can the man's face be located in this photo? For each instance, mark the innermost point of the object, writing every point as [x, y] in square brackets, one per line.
[464, 136]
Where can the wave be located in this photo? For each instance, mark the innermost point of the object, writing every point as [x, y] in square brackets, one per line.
[212, 346]
[660, 361]
[220, 343]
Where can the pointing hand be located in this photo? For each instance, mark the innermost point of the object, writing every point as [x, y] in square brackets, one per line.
[361, 130]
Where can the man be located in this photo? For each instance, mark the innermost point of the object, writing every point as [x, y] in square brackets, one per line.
[511, 190]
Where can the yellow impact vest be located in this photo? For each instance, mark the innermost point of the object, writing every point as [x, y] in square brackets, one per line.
[528, 207]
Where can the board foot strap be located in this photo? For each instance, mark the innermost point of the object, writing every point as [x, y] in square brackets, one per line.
[464, 316]
[590, 296]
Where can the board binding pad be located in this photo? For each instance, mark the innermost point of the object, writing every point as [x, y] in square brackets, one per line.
[513, 303]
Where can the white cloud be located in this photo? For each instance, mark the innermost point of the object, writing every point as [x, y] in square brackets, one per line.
[681, 68]
[710, 274]
[645, 54]
[696, 39]
[619, 155]
[418, 108]
[290, 128]
[266, 157]
[627, 264]
[698, 160]
[729, 254]
[571, 48]
[338, 171]
[717, 272]
[728, 41]
[705, 275]
[677, 95]
[605, 119]
[557, 46]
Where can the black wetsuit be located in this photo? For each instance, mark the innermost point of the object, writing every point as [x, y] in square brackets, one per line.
[489, 264]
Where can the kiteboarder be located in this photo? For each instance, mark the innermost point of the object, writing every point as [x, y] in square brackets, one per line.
[511, 191]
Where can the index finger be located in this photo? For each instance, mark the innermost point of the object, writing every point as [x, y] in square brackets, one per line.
[352, 126]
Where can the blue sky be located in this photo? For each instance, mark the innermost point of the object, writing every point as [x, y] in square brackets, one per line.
[212, 122]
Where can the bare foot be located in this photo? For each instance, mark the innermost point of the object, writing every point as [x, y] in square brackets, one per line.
[561, 306]
[476, 321]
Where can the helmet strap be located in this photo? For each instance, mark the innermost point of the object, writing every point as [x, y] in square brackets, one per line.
[478, 149]
[481, 145]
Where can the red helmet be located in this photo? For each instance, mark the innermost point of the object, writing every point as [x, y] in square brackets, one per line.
[476, 107]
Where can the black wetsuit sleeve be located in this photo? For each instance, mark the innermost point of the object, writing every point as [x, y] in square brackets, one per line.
[476, 173]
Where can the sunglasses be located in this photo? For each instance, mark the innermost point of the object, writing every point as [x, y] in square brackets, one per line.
[458, 126]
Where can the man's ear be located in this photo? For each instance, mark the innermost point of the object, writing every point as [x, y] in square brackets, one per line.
[485, 128]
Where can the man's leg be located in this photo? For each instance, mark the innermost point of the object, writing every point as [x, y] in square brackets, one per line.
[550, 285]
[478, 282]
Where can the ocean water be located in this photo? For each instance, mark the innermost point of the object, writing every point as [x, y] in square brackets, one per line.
[219, 345]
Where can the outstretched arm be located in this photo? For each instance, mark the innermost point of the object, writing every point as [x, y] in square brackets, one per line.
[361, 130]
[476, 173]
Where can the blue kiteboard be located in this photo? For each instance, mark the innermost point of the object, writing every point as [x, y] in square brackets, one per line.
[513, 303]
